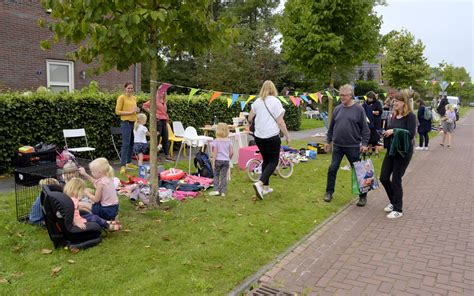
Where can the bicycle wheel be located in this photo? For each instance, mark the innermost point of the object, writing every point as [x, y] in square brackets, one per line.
[285, 168]
[254, 169]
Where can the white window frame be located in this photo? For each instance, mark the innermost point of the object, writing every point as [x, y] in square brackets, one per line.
[70, 65]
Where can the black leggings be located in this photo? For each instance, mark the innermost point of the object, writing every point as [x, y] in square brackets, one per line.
[394, 167]
[424, 138]
[270, 150]
[162, 128]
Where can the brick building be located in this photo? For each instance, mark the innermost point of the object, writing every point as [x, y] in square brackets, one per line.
[375, 68]
[24, 66]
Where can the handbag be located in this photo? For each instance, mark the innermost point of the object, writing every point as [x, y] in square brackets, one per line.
[365, 178]
[281, 133]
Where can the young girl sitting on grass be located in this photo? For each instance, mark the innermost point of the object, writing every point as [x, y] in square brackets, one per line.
[140, 144]
[106, 204]
[222, 153]
[75, 189]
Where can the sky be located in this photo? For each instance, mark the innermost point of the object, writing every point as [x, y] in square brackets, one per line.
[444, 26]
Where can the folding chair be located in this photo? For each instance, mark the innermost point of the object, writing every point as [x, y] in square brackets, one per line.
[77, 133]
[113, 132]
[178, 129]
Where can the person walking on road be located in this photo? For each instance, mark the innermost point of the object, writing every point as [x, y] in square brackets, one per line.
[349, 135]
[424, 126]
[399, 137]
[268, 113]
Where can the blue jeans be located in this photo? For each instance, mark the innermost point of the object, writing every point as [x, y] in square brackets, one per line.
[107, 213]
[94, 218]
[338, 152]
[127, 142]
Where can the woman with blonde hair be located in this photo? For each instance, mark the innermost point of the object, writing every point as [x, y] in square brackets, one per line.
[268, 112]
[399, 138]
[448, 124]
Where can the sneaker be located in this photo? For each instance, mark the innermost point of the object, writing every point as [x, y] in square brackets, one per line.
[122, 170]
[388, 208]
[214, 193]
[267, 190]
[258, 189]
[419, 148]
[328, 197]
[131, 166]
[223, 194]
[394, 215]
[169, 159]
[362, 201]
[425, 148]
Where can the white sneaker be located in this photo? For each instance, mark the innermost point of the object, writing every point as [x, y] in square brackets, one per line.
[394, 215]
[268, 190]
[425, 148]
[223, 194]
[419, 148]
[214, 193]
[388, 208]
[258, 189]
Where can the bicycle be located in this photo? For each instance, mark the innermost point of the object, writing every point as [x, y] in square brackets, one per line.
[254, 167]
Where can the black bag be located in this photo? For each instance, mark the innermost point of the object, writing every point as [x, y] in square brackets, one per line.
[203, 165]
[252, 125]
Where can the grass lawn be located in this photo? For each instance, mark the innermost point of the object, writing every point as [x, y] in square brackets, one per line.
[308, 123]
[203, 246]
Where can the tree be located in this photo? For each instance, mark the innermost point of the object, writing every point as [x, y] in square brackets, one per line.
[326, 36]
[454, 74]
[122, 33]
[404, 62]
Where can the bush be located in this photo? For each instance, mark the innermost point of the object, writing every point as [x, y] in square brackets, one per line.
[41, 117]
[363, 87]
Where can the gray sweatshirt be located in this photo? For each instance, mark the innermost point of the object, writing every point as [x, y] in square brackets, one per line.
[348, 127]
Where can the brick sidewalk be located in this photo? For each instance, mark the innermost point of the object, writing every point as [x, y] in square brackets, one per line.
[429, 251]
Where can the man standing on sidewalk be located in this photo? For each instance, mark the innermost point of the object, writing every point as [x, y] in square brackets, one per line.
[349, 134]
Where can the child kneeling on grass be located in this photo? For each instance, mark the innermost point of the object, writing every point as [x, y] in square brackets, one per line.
[222, 152]
[75, 189]
[106, 204]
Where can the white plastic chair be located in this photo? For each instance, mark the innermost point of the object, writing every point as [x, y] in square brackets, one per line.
[192, 139]
[77, 133]
[178, 129]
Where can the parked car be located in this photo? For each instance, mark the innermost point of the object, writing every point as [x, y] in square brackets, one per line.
[471, 104]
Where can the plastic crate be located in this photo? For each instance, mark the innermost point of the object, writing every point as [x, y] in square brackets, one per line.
[34, 158]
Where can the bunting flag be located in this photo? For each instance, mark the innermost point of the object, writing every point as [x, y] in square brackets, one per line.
[329, 95]
[249, 99]
[337, 98]
[234, 98]
[298, 101]
[452, 82]
[305, 98]
[192, 92]
[293, 99]
[433, 82]
[242, 105]
[385, 94]
[229, 102]
[426, 81]
[365, 98]
[296, 93]
[320, 97]
[314, 97]
[163, 88]
[462, 83]
[215, 95]
[282, 98]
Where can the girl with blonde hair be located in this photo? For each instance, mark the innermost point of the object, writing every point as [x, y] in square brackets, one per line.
[268, 112]
[447, 122]
[106, 204]
[222, 152]
[75, 189]
[140, 131]
[399, 136]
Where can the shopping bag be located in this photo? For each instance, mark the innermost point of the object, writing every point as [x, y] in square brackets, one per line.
[355, 184]
[365, 175]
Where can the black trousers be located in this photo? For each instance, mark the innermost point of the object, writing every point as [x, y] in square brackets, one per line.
[270, 151]
[394, 167]
[424, 138]
[162, 128]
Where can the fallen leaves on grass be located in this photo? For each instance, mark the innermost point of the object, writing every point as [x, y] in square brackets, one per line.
[19, 234]
[166, 238]
[46, 251]
[71, 261]
[194, 219]
[3, 281]
[251, 225]
[158, 221]
[240, 215]
[147, 246]
[55, 271]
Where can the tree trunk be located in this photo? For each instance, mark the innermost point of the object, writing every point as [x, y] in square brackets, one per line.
[154, 198]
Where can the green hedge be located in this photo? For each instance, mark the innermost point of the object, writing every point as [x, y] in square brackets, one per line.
[41, 117]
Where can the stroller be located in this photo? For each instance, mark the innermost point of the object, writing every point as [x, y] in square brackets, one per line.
[58, 211]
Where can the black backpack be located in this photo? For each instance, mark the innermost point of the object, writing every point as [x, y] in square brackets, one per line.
[203, 165]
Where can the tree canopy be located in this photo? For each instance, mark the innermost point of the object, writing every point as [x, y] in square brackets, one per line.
[404, 62]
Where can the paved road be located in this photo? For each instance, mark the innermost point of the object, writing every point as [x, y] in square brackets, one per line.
[429, 251]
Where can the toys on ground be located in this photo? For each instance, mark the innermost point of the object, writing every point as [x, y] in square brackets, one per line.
[319, 147]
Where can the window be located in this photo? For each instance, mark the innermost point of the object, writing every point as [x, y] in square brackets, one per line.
[60, 75]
